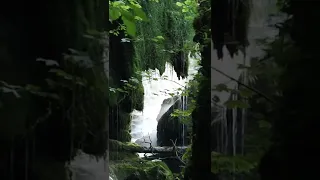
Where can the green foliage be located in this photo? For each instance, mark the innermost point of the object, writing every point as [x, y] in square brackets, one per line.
[70, 87]
[224, 164]
[187, 155]
[160, 39]
[129, 12]
[189, 7]
[191, 91]
[132, 88]
[144, 170]
[244, 93]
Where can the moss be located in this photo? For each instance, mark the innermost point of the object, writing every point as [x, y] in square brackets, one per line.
[120, 125]
[144, 170]
[115, 145]
[124, 136]
[122, 155]
[124, 121]
[125, 163]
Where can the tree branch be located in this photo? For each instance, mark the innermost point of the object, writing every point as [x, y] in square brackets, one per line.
[244, 85]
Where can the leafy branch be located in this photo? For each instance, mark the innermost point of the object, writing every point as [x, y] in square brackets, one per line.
[129, 12]
[244, 85]
[189, 7]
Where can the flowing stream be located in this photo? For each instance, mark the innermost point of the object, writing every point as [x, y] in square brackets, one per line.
[157, 88]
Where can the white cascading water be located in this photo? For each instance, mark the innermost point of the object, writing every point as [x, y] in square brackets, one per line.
[156, 89]
[85, 167]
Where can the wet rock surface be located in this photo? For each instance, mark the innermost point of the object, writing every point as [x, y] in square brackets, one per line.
[169, 128]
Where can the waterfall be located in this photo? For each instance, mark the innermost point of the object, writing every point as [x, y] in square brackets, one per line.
[157, 88]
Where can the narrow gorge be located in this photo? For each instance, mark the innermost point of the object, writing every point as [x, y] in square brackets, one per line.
[158, 90]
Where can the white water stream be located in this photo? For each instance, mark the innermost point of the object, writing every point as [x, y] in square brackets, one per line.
[85, 167]
[156, 89]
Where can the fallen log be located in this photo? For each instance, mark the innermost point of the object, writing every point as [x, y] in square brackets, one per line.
[169, 149]
[135, 148]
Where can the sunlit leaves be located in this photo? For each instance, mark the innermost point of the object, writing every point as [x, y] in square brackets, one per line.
[129, 12]
[158, 39]
[189, 8]
[179, 4]
[131, 26]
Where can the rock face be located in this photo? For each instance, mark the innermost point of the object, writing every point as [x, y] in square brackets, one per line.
[84, 167]
[30, 46]
[169, 127]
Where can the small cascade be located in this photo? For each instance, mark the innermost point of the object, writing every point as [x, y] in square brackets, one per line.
[184, 107]
[161, 92]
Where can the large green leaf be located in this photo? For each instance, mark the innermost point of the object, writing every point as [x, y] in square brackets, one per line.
[130, 25]
[139, 12]
[114, 14]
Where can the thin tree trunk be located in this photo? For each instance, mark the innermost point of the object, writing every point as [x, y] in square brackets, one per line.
[234, 132]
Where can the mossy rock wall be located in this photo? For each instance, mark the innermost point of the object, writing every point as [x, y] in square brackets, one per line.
[200, 164]
[47, 29]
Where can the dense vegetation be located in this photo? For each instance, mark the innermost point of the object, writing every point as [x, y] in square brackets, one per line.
[71, 78]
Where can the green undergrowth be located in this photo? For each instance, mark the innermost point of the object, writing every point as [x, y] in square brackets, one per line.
[227, 164]
[144, 170]
[124, 163]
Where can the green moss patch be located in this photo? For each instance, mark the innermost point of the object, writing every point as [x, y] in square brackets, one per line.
[118, 146]
[144, 170]
[125, 163]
